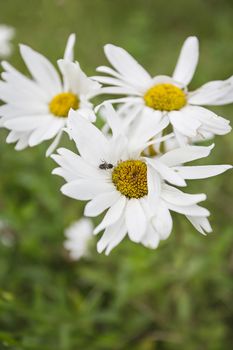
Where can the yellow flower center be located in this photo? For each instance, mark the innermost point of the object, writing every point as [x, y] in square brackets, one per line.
[130, 178]
[62, 103]
[165, 97]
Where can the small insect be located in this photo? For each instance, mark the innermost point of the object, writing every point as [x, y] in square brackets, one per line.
[105, 166]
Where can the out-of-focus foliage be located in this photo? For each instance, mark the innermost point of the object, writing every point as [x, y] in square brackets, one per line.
[176, 297]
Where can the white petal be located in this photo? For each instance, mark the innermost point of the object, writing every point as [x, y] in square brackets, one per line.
[209, 120]
[135, 220]
[109, 81]
[185, 154]
[41, 70]
[212, 93]
[69, 50]
[117, 239]
[112, 236]
[112, 215]
[54, 144]
[22, 99]
[187, 61]
[87, 113]
[151, 238]
[27, 123]
[148, 124]
[112, 118]
[226, 99]
[91, 143]
[118, 90]
[118, 149]
[101, 203]
[192, 210]
[74, 78]
[77, 165]
[71, 75]
[173, 195]
[125, 64]
[154, 188]
[167, 173]
[13, 136]
[110, 71]
[202, 171]
[162, 222]
[22, 143]
[165, 79]
[66, 174]
[201, 224]
[46, 131]
[11, 75]
[184, 123]
[85, 189]
[129, 101]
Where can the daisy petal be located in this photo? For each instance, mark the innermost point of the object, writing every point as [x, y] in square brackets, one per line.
[112, 118]
[73, 162]
[210, 121]
[101, 203]
[41, 70]
[202, 171]
[22, 143]
[112, 215]
[26, 123]
[46, 131]
[85, 189]
[201, 224]
[167, 173]
[89, 140]
[69, 50]
[135, 220]
[185, 154]
[151, 238]
[162, 222]
[212, 93]
[192, 210]
[185, 124]
[54, 144]
[112, 236]
[124, 63]
[173, 195]
[187, 61]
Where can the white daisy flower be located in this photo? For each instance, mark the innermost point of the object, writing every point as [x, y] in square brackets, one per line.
[36, 109]
[78, 237]
[137, 192]
[168, 96]
[6, 35]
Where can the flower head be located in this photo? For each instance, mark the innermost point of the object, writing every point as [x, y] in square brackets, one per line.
[136, 192]
[168, 96]
[36, 109]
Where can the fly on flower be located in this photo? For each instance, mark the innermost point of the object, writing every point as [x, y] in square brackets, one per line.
[138, 192]
[168, 96]
[36, 109]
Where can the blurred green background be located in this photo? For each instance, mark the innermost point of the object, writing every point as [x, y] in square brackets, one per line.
[176, 297]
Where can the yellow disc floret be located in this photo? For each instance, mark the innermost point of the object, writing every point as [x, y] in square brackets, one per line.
[165, 97]
[130, 178]
[62, 103]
